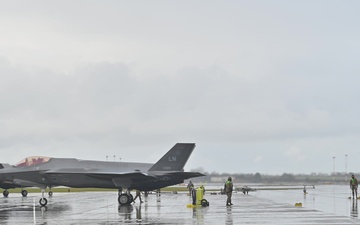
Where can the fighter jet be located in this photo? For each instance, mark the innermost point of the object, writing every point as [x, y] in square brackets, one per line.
[49, 172]
[7, 185]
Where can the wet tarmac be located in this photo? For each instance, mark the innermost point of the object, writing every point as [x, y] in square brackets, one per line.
[261, 207]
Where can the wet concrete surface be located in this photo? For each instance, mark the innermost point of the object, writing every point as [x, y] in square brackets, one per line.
[261, 207]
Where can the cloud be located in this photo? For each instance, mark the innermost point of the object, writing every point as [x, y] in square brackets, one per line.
[296, 154]
[247, 78]
[258, 159]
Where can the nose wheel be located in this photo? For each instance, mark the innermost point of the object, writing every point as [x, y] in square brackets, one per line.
[43, 201]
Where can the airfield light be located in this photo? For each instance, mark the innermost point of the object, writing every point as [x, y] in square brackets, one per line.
[346, 167]
[333, 168]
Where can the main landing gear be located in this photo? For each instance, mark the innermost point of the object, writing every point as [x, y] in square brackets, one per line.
[125, 198]
[6, 193]
[24, 193]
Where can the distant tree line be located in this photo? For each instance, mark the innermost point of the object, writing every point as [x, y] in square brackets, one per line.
[312, 178]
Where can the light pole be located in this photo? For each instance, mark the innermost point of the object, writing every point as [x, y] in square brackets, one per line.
[333, 168]
[346, 167]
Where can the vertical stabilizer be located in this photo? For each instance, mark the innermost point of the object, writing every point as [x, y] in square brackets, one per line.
[175, 159]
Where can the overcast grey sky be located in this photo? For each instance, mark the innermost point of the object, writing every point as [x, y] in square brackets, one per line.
[259, 86]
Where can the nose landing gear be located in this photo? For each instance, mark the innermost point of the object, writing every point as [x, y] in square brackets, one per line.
[43, 200]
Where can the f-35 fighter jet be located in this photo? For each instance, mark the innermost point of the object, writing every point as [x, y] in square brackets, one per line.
[46, 172]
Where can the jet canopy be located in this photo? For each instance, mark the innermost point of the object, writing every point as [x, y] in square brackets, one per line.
[32, 161]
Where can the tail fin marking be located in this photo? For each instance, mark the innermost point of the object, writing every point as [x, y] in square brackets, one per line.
[175, 159]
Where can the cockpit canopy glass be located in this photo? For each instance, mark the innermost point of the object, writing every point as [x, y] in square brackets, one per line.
[32, 161]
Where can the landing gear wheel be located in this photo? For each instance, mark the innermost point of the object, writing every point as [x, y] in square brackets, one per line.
[43, 201]
[125, 199]
[50, 193]
[6, 193]
[24, 193]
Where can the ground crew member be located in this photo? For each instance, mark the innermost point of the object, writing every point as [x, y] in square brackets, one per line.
[138, 194]
[202, 186]
[228, 191]
[190, 187]
[353, 185]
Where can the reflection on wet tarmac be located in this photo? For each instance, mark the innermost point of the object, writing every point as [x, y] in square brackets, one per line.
[138, 213]
[229, 216]
[199, 215]
[261, 207]
[354, 209]
[125, 211]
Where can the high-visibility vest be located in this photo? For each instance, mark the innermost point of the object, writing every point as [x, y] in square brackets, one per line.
[353, 181]
[228, 185]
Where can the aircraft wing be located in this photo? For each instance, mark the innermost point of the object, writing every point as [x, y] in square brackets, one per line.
[98, 173]
[20, 178]
[8, 185]
[126, 179]
[27, 183]
[186, 175]
[116, 174]
[119, 179]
